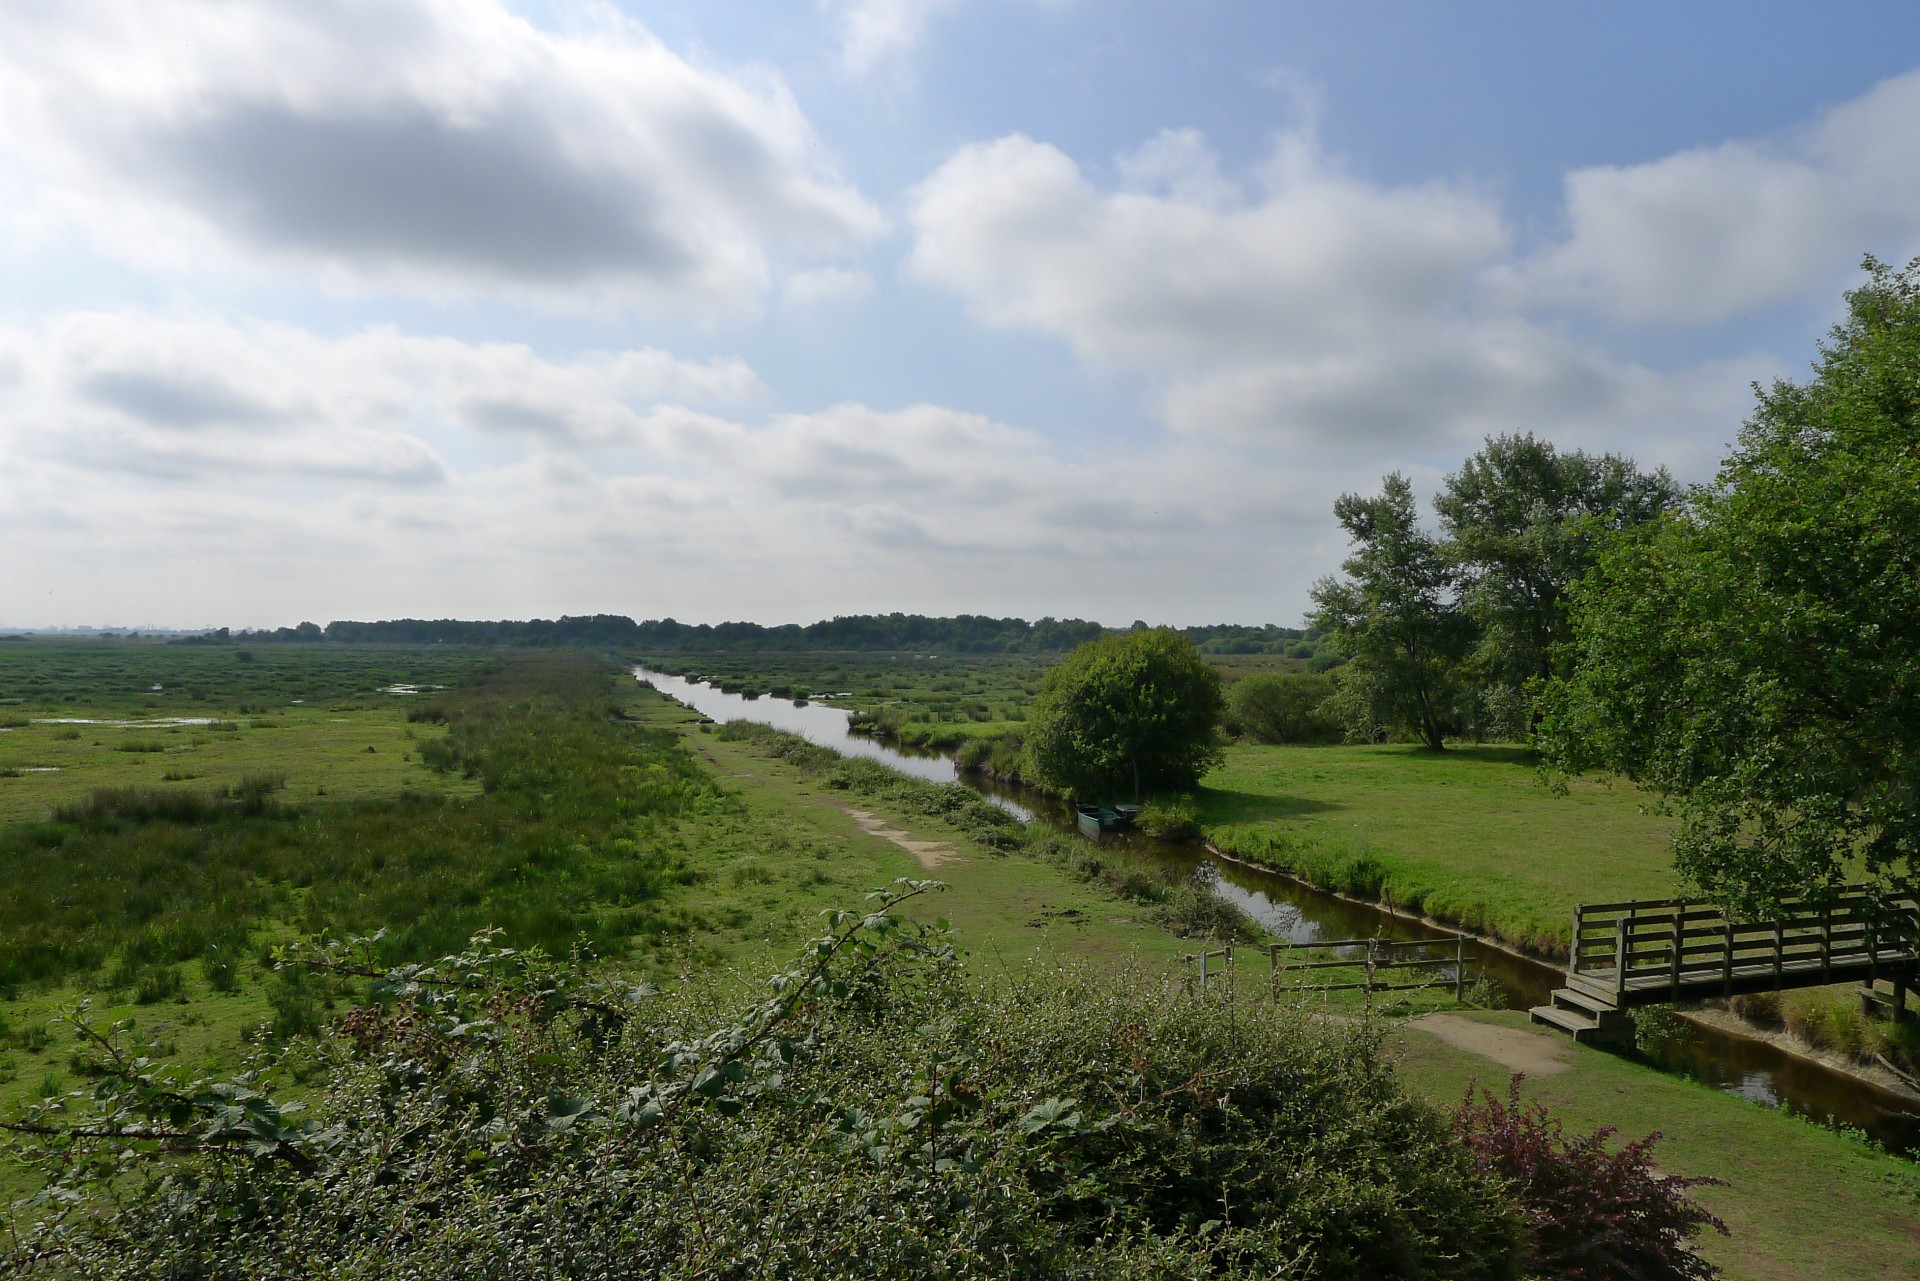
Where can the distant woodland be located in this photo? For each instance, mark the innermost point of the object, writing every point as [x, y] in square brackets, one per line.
[961, 634]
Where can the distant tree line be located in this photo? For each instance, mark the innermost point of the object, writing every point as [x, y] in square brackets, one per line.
[960, 634]
[965, 633]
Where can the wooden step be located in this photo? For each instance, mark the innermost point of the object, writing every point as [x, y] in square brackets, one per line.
[1599, 987]
[1579, 1026]
[1585, 1003]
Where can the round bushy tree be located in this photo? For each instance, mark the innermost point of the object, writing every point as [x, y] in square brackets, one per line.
[1132, 713]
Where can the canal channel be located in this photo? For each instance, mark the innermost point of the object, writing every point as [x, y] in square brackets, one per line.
[1295, 912]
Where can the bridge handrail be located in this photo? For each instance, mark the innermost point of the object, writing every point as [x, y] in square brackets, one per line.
[1678, 941]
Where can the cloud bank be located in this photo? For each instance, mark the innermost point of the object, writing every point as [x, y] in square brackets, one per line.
[439, 146]
[172, 455]
[1302, 307]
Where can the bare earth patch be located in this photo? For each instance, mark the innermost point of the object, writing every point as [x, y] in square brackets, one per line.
[930, 853]
[1517, 1049]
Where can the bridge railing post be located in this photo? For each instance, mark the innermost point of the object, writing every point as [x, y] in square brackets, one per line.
[1679, 938]
[1622, 933]
[1826, 941]
[1573, 953]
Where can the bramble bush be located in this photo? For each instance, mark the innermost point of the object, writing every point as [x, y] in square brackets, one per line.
[875, 1112]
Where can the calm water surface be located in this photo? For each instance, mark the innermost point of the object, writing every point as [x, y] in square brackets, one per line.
[1298, 913]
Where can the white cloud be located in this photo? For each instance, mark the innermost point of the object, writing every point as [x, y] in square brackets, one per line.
[1182, 276]
[873, 32]
[191, 399]
[445, 146]
[1302, 307]
[194, 468]
[1708, 234]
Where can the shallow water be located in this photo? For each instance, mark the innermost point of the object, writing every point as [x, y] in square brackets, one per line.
[1298, 913]
[815, 722]
[156, 722]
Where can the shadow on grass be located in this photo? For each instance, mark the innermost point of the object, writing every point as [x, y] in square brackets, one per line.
[1484, 753]
[1224, 805]
[1495, 753]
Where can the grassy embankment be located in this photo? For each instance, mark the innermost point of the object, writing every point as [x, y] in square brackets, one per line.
[1801, 1201]
[1775, 1164]
[1473, 837]
[1470, 835]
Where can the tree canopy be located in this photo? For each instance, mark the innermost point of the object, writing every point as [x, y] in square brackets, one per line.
[1133, 713]
[1396, 618]
[1757, 657]
[1522, 520]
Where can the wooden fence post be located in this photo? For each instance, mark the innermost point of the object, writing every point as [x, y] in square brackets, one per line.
[1573, 958]
[1621, 933]
[1679, 937]
[1726, 975]
[1826, 941]
[1460, 967]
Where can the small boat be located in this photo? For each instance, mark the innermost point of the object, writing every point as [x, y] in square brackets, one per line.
[1094, 821]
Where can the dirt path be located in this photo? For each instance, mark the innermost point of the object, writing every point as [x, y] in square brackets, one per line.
[930, 853]
[1518, 1049]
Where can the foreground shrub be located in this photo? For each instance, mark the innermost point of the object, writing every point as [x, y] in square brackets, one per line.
[876, 1113]
[1593, 1214]
[1284, 707]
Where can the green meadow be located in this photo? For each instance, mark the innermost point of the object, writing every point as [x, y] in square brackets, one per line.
[551, 797]
[1472, 835]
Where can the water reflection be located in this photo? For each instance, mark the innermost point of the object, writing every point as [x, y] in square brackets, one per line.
[817, 723]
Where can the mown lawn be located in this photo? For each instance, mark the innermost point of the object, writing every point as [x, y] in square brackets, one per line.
[1470, 835]
[1800, 1202]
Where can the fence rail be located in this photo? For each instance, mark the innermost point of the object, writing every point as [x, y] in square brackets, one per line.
[1380, 962]
[1671, 949]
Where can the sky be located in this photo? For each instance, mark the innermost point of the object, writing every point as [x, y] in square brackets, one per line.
[319, 309]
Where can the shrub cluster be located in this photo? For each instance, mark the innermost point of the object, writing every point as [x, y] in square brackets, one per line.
[1594, 1213]
[1283, 707]
[876, 1113]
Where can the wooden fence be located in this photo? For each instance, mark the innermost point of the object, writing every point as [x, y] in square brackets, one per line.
[1381, 962]
[1676, 949]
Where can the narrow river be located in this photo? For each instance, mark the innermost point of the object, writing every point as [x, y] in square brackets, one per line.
[1296, 912]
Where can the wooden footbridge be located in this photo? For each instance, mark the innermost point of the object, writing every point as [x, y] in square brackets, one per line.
[1670, 950]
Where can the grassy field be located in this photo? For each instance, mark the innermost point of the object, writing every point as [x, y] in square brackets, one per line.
[1470, 835]
[1801, 1201]
[543, 810]
[726, 849]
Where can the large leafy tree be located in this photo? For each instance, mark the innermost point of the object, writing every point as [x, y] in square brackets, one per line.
[1396, 619]
[1757, 658]
[1522, 520]
[1131, 713]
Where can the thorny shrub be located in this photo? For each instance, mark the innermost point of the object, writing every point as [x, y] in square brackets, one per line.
[1593, 1213]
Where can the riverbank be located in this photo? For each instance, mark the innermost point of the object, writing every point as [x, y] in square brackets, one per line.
[1470, 836]
[1497, 779]
[1005, 906]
